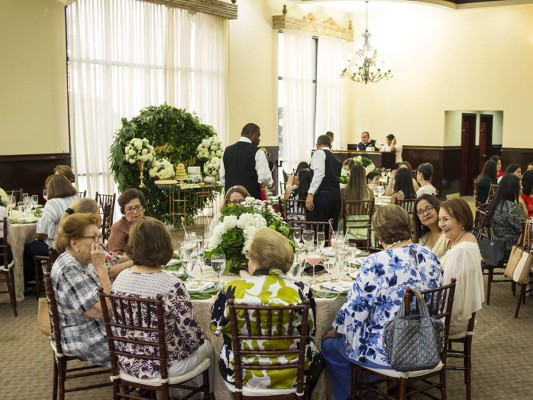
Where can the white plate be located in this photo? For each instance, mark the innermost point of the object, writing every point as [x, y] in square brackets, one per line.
[354, 274]
[336, 286]
[198, 286]
[359, 260]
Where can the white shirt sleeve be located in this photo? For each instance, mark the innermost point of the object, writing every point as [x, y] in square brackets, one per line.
[222, 171]
[264, 177]
[318, 165]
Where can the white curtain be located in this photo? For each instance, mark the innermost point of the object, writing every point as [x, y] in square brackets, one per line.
[125, 55]
[329, 93]
[298, 96]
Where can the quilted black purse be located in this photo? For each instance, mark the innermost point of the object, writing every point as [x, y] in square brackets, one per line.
[414, 342]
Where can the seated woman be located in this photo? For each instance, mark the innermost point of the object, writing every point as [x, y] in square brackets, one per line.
[486, 178]
[462, 261]
[426, 225]
[64, 170]
[114, 262]
[403, 186]
[270, 257]
[392, 181]
[132, 204]
[527, 192]
[423, 176]
[356, 335]
[356, 189]
[506, 214]
[514, 169]
[76, 276]
[298, 184]
[234, 196]
[3, 214]
[150, 246]
[499, 170]
[372, 178]
[61, 194]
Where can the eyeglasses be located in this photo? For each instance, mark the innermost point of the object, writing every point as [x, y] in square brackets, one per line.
[422, 211]
[235, 201]
[97, 238]
[136, 208]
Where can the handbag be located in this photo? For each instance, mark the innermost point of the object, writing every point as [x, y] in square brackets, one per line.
[521, 259]
[414, 342]
[492, 251]
[43, 317]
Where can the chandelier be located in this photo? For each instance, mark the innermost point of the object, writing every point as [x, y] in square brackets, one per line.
[364, 67]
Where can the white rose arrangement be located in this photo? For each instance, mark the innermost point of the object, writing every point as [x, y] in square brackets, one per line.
[162, 169]
[4, 197]
[365, 162]
[210, 150]
[139, 150]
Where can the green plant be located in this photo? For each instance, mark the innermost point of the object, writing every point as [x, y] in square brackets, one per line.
[175, 135]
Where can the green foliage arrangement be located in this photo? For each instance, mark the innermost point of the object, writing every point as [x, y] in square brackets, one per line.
[175, 135]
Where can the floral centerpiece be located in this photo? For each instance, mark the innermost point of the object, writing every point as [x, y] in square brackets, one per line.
[4, 197]
[139, 150]
[210, 150]
[162, 169]
[238, 224]
[365, 162]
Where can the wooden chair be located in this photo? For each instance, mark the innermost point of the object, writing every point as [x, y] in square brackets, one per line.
[127, 326]
[357, 215]
[408, 205]
[464, 353]
[6, 267]
[38, 265]
[106, 202]
[62, 373]
[82, 194]
[294, 210]
[317, 226]
[440, 302]
[277, 325]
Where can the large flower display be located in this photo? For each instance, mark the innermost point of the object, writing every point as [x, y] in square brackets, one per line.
[359, 160]
[210, 151]
[238, 224]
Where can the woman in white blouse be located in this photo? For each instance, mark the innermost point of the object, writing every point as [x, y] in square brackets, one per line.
[462, 261]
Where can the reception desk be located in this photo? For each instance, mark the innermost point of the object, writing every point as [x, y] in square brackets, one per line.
[386, 159]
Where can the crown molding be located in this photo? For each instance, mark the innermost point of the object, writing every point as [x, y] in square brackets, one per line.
[213, 7]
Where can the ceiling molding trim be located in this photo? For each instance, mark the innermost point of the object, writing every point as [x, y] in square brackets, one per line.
[213, 7]
[310, 24]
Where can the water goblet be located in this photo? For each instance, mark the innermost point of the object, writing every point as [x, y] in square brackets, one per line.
[380, 190]
[218, 263]
[329, 264]
[186, 251]
[25, 198]
[313, 257]
[11, 203]
[35, 200]
[320, 240]
[297, 236]
[342, 251]
[308, 237]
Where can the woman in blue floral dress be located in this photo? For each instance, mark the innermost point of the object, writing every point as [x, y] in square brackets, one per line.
[356, 335]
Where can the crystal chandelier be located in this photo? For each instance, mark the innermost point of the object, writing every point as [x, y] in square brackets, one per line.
[364, 67]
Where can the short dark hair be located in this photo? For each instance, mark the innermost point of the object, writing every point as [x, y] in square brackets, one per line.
[371, 175]
[390, 136]
[391, 223]
[426, 170]
[249, 128]
[495, 158]
[330, 134]
[129, 195]
[527, 182]
[149, 243]
[531, 163]
[460, 210]
[323, 140]
[511, 169]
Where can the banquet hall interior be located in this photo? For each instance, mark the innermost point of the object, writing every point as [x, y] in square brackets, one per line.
[460, 92]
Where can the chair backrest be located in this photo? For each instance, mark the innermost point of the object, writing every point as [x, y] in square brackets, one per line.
[317, 226]
[4, 245]
[106, 202]
[357, 215]
[492, 192]
[82, 194]
[52, 306]
[138, 322]
[294, 210]
[440, 304]
[272, 323]
[407, 204]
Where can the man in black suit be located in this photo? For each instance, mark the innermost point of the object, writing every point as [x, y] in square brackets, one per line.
[324, 196]
[366, 142]
[243, 164]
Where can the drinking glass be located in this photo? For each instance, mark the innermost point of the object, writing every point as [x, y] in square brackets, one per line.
[380, 190]
[313, 258]
[25, 198]
[186, 251]
[297, 236]
[35, 200]
[342, 251]
[11, 203]
[45, 194]
[190, 236]
[329, 264]
[21, 206]
[308, 237]
[320, 240]
[218, 263]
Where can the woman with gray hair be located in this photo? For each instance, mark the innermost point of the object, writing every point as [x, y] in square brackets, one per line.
[356, 335]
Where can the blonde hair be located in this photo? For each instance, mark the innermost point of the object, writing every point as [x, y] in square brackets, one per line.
[80, 206]
[72, 227]
[391, 223]
[271, 249]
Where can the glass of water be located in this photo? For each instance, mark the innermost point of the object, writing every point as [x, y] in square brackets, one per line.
[218, 263]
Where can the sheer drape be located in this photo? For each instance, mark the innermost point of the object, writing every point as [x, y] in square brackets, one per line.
[125, 55]
[329, 92]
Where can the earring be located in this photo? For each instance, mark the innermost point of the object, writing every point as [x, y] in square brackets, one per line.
[463, 228]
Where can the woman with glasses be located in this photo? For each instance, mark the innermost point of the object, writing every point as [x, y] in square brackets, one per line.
[426, 225]
[132, 204]
[234, 197]
[76, 276]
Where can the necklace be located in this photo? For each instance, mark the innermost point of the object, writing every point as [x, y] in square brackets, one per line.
[390, 246]
[458, 240]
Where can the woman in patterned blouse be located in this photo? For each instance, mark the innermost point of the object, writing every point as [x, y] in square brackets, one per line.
[270, 257]
[76, 276]
[356, 335]
[150, 246]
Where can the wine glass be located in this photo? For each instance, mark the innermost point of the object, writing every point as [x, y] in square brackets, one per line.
[313, 257]
[25, 198]
[218, 263]
[342, 251]
[186, 251]
[320, 240]
[297, 236]
[308, 237]
[11, 203]
[329, 264]
[35, 200]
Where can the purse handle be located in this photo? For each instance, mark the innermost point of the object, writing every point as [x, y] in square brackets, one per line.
[525, 236]
[423, 310]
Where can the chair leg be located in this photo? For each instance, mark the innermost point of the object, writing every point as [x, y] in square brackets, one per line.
[205, 378]
[54, 389]
[353, 395]
[513, 288]
[521, 297]
[468, 368]
[489, 283]
[443, 389]
[37, 265]
[402, 389]
[62, 368]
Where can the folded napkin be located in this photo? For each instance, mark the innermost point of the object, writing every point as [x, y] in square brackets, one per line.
[340, 286]
[198, 286]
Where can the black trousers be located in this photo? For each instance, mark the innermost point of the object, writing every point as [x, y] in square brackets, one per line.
[35, 248]
[327, 206]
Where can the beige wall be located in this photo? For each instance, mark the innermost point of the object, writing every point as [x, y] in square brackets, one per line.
[33, 94]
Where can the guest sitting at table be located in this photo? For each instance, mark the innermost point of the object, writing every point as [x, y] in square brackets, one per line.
[234, 196]
[61, 194]
[114, 262]
[527, 191]
[499, 170]
[462, 261]
[270, 257]
[132, 204]
[426, 225]
[507, 213]
[390, 186]
[64, 170]
[76, 276]
[150, 246]
[356, 335]
[403, 186]
[423, 177]
[514, 169]
[372, 178]
[3, 214]
[298, 183]
[486, 178]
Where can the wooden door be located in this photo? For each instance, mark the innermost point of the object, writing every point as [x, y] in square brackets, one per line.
[468, 140]
[485, 139]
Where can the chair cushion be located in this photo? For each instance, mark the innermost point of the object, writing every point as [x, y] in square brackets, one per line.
[206, 362]
[406, 375]
[9, 266]
[258, 392]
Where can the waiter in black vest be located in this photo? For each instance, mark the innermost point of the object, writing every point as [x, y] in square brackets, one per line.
[324, 196]
[243, 164]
